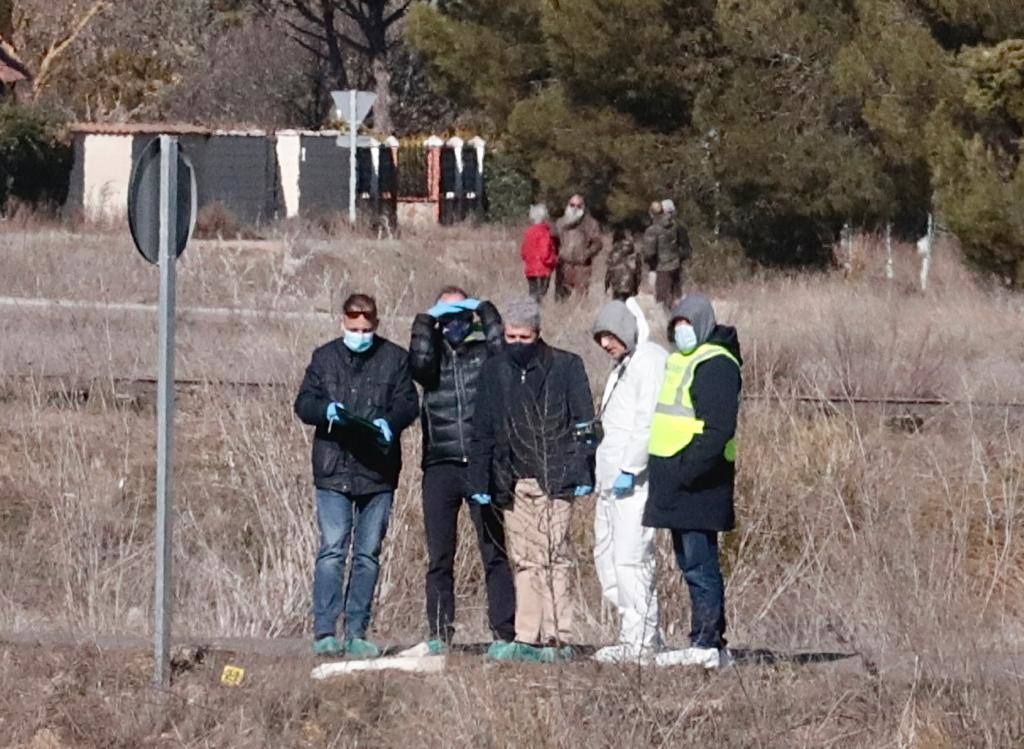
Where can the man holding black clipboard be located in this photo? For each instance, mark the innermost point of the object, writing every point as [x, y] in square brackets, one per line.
[359, 394]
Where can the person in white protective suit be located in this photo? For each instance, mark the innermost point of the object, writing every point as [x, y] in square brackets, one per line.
[623, 548]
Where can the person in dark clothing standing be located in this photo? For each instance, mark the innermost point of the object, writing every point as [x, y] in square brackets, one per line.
[450, 344]
[667, 247]
[692, 467]
[359, 395]
[531, 455]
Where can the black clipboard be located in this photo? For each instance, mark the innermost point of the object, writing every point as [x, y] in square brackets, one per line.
[368, 429]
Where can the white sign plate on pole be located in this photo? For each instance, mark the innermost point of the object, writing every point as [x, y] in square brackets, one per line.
[353, 106]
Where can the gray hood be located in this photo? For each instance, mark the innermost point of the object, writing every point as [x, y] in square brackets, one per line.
[615, 318]
[698, 310]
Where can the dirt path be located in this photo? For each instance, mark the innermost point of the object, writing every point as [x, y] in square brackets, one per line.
[899, 668]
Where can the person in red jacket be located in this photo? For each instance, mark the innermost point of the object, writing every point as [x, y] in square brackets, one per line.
[540, 252]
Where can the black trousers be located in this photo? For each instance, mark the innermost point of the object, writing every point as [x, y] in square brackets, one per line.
[538, 287]
[445, 490]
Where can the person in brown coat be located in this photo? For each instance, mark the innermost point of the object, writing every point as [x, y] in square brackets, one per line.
[580, 241]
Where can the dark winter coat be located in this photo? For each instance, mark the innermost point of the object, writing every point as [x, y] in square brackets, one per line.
[539, 251]
[523, 425]
[374, 384]
[693, 489]
[666, 244]
[449, 377]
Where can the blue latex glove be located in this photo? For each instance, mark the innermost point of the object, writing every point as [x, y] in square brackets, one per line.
[443, 308]
[583, 490]
[335, 414]
[469, 305]
[624, 485]
[385, 430]
[481, 499]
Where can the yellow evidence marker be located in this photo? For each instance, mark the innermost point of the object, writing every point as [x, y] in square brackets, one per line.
[232, 676]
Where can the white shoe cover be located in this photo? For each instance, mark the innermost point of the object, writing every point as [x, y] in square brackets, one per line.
[625, 653]
[709, 658]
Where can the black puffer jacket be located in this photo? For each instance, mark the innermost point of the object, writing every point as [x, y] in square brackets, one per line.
[374, 384]
[693, 489]
[449, 378]
[523, 425]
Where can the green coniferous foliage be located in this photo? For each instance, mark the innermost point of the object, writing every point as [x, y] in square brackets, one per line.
[484, 55]
[774, 121]
[791, 154]
[643, 58]
[960, 23]
[895, 73]
[977, 159]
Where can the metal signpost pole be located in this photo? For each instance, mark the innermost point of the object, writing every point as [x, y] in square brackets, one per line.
[353, 126]
[165, 409]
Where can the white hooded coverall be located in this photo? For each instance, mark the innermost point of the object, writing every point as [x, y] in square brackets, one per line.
[624, 548]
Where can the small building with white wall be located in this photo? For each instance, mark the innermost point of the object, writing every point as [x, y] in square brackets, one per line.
[261, 177]
[237, 168]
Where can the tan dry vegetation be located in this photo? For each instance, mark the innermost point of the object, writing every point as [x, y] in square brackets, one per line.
[87, 698]
[890, 531]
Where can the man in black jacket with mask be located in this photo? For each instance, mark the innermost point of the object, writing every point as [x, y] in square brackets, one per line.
[531, 455]
[450, 344]
[359, 395]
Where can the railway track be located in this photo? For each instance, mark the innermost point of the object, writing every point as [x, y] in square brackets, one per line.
[82, 387]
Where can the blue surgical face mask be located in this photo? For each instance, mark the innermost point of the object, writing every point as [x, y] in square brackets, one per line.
[357, 341]
[685, 338]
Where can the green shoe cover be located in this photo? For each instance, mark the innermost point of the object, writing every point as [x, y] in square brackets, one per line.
[497, 649]
[358, 648]
[437, 647]
[328, 647]
[521, 652]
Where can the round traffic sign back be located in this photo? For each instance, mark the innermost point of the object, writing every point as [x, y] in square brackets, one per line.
[144, 202]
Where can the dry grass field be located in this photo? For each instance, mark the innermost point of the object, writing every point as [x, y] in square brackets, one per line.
[888, 531]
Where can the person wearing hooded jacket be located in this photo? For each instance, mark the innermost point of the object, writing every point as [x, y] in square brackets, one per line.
[624, 551]
[692, 467]
[450, 344]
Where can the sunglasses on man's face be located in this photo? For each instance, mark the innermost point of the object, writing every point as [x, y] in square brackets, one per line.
[355, 314]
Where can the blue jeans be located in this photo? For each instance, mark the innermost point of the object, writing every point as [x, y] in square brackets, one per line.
[697, 556]
[364, 521]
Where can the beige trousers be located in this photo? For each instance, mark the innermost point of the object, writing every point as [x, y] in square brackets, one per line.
[537, 533]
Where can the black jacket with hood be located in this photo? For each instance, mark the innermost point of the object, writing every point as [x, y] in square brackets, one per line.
[523, 425]
[449, 376]
[373, 384]
[694, 489]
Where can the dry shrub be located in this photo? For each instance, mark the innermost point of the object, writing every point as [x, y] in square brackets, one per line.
[216, 221]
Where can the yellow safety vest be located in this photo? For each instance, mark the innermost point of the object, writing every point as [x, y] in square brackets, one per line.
[675, 421]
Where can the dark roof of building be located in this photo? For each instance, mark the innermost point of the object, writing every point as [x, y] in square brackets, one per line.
[139, 128]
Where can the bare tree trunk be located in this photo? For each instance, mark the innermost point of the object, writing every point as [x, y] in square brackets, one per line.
[6, 20]
[335, 57]
[55, 50]
[382, 86]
